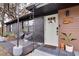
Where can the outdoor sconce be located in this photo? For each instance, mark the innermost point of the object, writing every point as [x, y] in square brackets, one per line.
[67, 18]
[51, 19]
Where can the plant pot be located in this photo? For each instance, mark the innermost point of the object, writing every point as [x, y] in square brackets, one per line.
[17, 51]
[62, 45]
[69, 48]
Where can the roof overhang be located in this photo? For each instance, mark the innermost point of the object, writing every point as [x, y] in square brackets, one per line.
[43, 10]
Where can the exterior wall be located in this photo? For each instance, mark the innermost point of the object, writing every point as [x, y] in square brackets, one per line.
[14, 27]
[4, 29]
[71, 27]
[8, 28]
[39, 29]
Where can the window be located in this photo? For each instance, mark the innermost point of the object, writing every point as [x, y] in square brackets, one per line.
[25, 26]
[28, 26]
[31, 25]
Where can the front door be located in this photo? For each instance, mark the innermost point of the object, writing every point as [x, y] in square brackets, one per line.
[51, 30]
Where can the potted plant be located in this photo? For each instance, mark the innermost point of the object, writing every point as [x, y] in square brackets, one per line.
[68, 38]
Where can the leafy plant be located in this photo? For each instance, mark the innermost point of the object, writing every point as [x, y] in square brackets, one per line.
[68, 38]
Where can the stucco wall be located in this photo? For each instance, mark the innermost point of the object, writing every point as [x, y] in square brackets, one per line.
[71, 27]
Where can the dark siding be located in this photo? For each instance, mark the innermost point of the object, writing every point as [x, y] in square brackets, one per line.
[39, 29]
